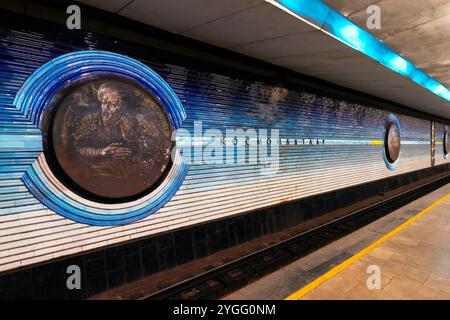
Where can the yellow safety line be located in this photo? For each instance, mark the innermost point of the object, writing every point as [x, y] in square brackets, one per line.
[311, 286]
[377, 142]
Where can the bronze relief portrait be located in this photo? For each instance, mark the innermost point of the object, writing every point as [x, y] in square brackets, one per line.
[392, 142]
[446, 143]
[109, 139]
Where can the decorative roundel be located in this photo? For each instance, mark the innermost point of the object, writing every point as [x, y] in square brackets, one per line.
[107, 139]
[392, 142]
[446, 143]
[107, 122]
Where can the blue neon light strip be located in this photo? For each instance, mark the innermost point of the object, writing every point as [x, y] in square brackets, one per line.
[330, 21]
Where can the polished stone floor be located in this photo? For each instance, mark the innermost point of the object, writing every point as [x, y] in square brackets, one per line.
[413, 264]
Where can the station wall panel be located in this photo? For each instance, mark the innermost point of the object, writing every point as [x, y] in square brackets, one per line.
[339, 144]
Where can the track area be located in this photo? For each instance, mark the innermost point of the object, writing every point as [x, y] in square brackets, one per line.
[403, 255]
[227, 278]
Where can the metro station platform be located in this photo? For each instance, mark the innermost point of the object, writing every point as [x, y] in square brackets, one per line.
[409, 249]
[234, 149]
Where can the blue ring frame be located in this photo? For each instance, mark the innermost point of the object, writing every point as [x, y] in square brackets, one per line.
[32, 100]
[392, 166]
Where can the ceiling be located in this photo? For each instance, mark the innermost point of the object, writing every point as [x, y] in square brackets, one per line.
[419, 32]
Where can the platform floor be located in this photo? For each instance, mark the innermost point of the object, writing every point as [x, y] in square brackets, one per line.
[410, 246]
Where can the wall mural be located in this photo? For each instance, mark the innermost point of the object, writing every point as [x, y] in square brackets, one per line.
[106, 121]
[392, 142]
[446, 143]
[442, 143]
[109, 139]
